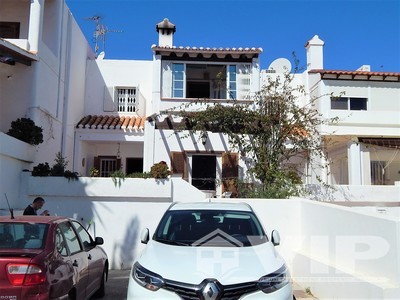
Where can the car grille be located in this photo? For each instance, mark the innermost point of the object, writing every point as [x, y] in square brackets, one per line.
[228, 292]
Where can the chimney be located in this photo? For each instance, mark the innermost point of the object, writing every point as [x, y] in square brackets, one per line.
[315, 53]
[165, 31]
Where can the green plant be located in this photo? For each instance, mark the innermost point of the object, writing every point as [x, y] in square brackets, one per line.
[93, 172]
[160, 170]
[144, 175]
[42, 169]
[70, 175]
[308, 292]
[271, 131]
[58, 168]
[25, 130]
[117, 177]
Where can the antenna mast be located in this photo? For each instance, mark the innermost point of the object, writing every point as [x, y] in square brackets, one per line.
[99, 35]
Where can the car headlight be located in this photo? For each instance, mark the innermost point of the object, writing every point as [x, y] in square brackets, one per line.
[274, 281]
[146, 278]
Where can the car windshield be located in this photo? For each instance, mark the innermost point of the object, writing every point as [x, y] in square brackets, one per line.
[22, 235]
[210, 228]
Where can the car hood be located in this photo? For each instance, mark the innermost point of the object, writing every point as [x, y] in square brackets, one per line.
[228, 265]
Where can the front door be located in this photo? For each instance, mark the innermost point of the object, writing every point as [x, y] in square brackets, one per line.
[204, 172]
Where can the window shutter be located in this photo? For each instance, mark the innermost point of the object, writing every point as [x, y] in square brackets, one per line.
[109, 96]
[230, 173]
[178, 163]
[243, 81]
[166, 83]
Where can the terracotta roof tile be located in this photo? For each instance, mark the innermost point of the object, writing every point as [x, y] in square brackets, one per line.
[357, 75]
[207, 52]
[112, 122]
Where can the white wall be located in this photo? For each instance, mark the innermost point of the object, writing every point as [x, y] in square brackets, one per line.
[15, 156]
[120, 73]
[336, 251]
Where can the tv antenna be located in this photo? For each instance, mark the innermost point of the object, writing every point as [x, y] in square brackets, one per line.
[99, 35]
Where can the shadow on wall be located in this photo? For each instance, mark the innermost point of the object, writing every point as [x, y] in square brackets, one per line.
[326, 192]
[126, 250]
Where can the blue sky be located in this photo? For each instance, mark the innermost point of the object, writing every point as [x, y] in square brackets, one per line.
[356, 32]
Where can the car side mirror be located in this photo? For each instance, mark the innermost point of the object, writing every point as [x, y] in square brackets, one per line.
[275, 238]
[144, 237]
[99, 241]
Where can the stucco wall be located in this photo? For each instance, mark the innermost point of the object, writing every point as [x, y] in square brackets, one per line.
[15, 156]
[334, 250]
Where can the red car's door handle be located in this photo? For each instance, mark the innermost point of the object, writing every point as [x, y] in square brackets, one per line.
[75, 263]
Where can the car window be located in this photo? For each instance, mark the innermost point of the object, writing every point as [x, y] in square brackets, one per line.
[61, 245]
[85, 237]
[71, 238]
[210, 228]
[22, 235]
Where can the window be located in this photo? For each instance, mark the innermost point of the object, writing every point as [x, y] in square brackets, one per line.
[204, 172]
[60, 243]
[348, 103]
[134, 165]
[70, 237]
[210, 81]
[127, 99]
[107, 165]
[23, 235]
[232, 82]
[177, 80]
[221, 228]
[85, 237]
[9, 30]
[378, 176]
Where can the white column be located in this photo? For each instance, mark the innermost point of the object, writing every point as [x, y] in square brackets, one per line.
[149, 145]
[354, 163]
[35, 25]
[156, 88]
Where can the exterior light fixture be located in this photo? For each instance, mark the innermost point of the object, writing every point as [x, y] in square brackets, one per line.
[204, 137]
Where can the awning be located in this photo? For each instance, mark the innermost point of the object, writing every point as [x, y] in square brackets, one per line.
[383, 142]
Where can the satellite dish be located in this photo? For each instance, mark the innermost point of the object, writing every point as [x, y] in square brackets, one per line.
[280, 65]
[101, 55]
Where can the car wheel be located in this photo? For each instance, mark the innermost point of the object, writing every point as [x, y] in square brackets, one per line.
[101, 292]
[71, 295]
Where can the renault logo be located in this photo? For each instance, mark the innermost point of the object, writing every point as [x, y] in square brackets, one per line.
[211, 290]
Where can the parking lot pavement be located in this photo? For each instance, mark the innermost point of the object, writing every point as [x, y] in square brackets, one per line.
[117, 285]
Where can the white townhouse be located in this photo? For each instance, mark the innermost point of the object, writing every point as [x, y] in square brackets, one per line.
[107, 114]
[43, 62]
[364, 144]
[124, 125]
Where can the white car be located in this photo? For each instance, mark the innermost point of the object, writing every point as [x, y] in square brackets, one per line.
[209, 250]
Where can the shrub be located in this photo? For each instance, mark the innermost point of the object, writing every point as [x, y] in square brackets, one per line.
[139, 175]
[117, 177]
[25, 130]
[160, 170]
[93, 172]
[42, 169]
[58, 168]
[70, 175]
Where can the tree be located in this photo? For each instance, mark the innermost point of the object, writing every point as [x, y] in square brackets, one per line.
[24, 129]
[273, 131]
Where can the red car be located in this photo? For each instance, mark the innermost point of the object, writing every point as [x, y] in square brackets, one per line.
[50, 258]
